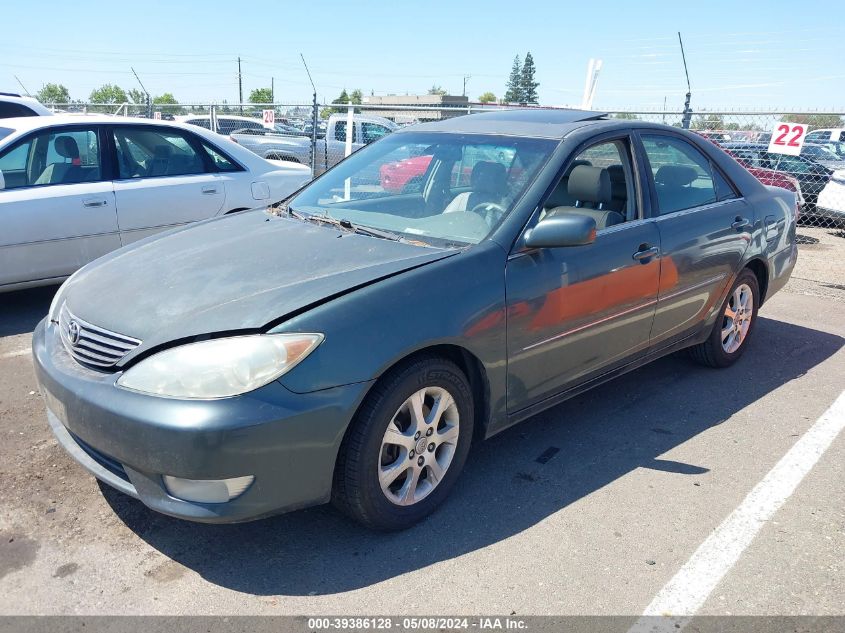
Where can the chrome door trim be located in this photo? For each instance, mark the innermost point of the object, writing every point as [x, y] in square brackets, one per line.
[696, 286]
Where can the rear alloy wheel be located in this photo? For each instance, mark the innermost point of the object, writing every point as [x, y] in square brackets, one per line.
[727, 341]
[406, 446]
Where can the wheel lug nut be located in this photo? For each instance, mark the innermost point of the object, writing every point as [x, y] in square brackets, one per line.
[429, 431]
[421, 460]
[431, 447]
[411, 454]
[417, 435]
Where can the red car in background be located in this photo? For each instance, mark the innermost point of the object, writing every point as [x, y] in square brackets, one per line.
[396, 176]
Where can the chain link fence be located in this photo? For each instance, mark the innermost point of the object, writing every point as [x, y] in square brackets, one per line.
[321, 135]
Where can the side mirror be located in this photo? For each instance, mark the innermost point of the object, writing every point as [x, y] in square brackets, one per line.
[564, 230]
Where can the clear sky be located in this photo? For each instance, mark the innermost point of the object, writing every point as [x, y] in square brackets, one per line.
[740, 54]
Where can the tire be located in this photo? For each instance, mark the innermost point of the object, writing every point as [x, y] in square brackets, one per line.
[366, 451]
[723, 351]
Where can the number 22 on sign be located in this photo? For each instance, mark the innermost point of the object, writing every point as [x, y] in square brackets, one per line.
[787, 138]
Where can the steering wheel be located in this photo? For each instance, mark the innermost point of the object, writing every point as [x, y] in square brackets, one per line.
[492, 212]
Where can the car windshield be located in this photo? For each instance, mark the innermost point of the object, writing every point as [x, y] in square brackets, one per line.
[820, 152]
[432, 187]
[5, 131]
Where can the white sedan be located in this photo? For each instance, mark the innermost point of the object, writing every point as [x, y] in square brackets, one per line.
[73, 188]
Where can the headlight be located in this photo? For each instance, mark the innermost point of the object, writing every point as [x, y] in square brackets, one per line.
[219, 368]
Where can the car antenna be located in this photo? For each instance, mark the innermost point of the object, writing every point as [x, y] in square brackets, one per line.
[685, 122]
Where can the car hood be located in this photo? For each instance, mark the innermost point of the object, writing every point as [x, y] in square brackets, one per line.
[240, 272]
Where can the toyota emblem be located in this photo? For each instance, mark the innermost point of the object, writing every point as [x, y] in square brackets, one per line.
[73, 332]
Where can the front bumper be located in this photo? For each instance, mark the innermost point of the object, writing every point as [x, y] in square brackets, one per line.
[287, 441]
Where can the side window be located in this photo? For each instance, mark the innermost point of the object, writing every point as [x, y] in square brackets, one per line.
[724, 191]
[53, 158]
[9, 110]
[206, 123]
[373, 132]
[340, 132]
[682, 175]
[598, 182]
[150, 152]
[221, 162]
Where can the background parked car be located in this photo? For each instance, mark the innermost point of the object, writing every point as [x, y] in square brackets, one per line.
[823, 156]
[812, 176]
[226, 123]
[74, 188]
[826, 134]
[15, 105]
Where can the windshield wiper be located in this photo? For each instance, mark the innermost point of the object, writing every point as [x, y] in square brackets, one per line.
[355, 228]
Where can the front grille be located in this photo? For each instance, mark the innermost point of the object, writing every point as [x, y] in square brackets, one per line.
[92, 345]
[106, 461]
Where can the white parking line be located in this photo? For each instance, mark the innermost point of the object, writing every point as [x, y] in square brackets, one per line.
[20, 352]
[687, 591]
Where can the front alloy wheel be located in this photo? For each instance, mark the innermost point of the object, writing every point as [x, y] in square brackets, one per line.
[406, 445]
[418, 446]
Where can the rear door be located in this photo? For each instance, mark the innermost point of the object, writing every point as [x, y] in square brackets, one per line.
[164, 179]
[57, 213]
[705, 229]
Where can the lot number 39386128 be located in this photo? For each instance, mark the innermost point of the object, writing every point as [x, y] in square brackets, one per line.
[787, 138]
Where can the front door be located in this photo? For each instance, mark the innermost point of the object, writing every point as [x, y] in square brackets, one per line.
[577, 311]
[56, 211]
[705, 229]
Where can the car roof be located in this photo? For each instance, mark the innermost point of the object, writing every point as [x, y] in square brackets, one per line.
[28, 123]
[517, 122]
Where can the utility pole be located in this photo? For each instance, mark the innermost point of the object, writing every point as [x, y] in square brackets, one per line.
[149, 101]
[240, 87]
[313, 123]
[466, 78]
[273, 89]
[25, 91]
[687, 118]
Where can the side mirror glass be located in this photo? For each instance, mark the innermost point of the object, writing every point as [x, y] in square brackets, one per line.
[563, 230]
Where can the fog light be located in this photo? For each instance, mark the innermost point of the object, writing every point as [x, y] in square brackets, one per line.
[207, 490]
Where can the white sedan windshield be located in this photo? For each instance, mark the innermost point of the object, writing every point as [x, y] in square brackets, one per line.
[433, 187]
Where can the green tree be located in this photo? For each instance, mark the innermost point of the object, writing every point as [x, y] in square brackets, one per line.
[526, 81]
[816, 121]
[513, 92]
[261, 95]
[136, 96]
[53, 93]
[108, 94]
[167, 104]
[356, 96]
[626, 115]
[708, 122]
[436, 90]
[487, 97]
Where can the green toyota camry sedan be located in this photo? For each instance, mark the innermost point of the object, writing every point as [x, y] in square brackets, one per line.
[351, 343]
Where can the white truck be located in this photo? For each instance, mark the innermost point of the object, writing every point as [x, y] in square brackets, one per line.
[331, 149]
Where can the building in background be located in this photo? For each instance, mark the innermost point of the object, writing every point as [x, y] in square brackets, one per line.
[447, 106]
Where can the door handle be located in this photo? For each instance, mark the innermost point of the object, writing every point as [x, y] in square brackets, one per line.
[209, 189]
[646, 252]
[94, 202]
[740, 223]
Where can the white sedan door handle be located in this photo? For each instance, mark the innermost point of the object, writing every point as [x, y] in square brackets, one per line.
[209, 189]
[94, 202]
